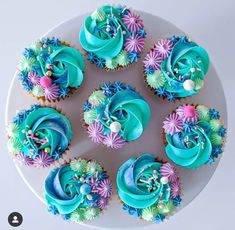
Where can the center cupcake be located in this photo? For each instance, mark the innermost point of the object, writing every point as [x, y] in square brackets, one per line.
[115, 114]
[113, 37]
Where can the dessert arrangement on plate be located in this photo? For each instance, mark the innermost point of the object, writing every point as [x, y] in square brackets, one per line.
[114, 115]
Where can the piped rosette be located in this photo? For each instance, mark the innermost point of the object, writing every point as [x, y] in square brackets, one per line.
[51, 69]
[38, 136]
[79, 191]
[113, 37]
[149, 189]
[194, 135]
[115, 114]
[176, 67]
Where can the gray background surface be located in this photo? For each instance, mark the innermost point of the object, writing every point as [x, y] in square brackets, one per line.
[210, 23]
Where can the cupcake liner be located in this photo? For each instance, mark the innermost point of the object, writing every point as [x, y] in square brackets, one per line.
[63, 162]
[63, 154]
[72, 90]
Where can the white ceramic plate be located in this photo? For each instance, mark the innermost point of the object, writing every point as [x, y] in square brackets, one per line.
[193, 181]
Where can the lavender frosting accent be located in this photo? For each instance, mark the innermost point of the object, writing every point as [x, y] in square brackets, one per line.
[172, 124]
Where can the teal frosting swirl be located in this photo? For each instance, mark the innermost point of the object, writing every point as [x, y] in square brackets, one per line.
[190, 149]
[135, 110]
[132, 178]
[62, 192]
[187, 60]
[94, 38]
[67, 65]
[45, 129]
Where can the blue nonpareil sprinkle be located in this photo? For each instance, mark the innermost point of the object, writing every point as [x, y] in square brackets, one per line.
[55, 41]
[27, 85]
[66, 216]
[118, 86]
[216, 150]
[159, 218]
[53, 209]
[214, 114]
[170, 96]
[187, 126]
[149, 70]
[91, 57]
[46, 41]
[63, 92]
[176, 201]
[161, 91]
[34, 107]
[133, 56]
[107, 88]
[100, 62]
[28, 53]
[222, 131]
[142, 33]
[132, 211]
[23, 76]
[86, 106]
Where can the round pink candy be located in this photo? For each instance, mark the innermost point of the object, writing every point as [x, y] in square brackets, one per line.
[45, 81]
[189, 111]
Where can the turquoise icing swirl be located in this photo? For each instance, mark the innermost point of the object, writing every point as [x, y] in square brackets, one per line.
[67, 66]
[62, 191]
[131, 182]
[136, 113]
[184, 57]
[44, 128]
[94, 38]
[192, 149]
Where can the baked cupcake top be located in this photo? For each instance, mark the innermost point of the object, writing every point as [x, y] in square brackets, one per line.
[149, 189]
[194, 135]
[113, 37]
[78, 191]
[38, 136]
[176, 67]
[50, 69]
[115, 114]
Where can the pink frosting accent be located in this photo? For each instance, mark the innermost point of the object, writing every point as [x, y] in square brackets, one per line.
[33, 78]
[134, 43]
[168, 171]
[188, 113]
[113, 140]
[105, 188]
[45, 82]
[43, 160]
[175, 189]
[133, 21]
[52, 92]
[172, 124]
[102, 203]
[153, 59]
[164, 47]
[24, 160]
[95, 131]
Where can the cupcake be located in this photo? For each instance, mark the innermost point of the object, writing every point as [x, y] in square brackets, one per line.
[115, 114]
[50, 69]
[149, 190]
[113, 37]
[78, 191]
[175, 67]
[38, 136]
[194, 135]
